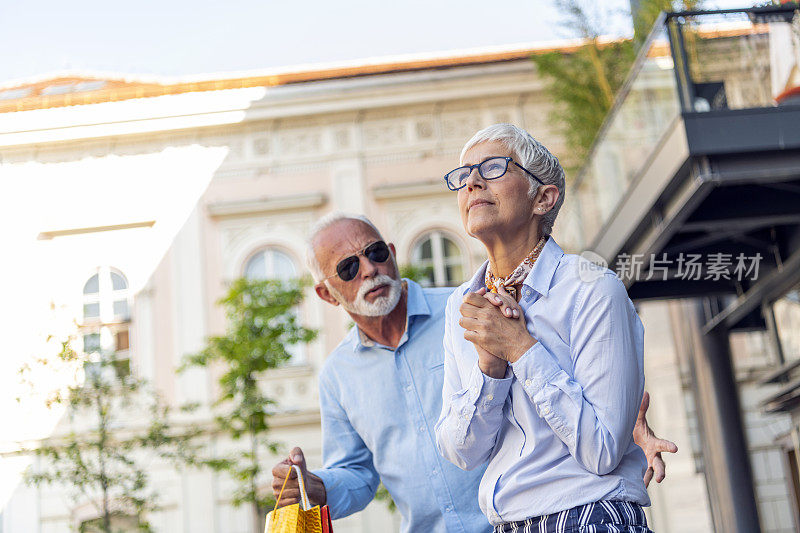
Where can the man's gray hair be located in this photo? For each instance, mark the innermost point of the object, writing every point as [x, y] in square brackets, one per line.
[325, 222]
[532, 155]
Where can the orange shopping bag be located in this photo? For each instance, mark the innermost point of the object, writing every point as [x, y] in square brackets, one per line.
[296, 518]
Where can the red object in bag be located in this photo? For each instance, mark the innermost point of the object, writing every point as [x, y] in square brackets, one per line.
[327, 526]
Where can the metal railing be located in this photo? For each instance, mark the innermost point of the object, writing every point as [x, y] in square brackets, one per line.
[692, 62]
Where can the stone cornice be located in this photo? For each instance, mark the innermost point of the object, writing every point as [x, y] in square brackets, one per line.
[410, 190]
[193, 111]
[265, 205]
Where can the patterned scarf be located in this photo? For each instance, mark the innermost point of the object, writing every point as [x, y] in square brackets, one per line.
[493, 283]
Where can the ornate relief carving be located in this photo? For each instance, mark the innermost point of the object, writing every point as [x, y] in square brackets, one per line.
[384, 134]
[462, 125]
[393, 157]
[424, 129]
[261, 146]
[234, 236]
[341, 138]
[241, 237]
[502, 117]
[299, 142]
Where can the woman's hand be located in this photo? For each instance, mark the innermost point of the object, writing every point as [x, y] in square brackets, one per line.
[486, 327]
[491, 365]
[505, 302]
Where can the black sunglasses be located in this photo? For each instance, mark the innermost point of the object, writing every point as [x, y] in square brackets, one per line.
[347, 268]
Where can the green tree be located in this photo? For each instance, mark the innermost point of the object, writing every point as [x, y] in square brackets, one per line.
[415, 273]
[262, 324]
[582, 82]
[100, 458]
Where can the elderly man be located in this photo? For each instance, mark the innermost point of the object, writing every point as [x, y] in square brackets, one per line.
[381, 391]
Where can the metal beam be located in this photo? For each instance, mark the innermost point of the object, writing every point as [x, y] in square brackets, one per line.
[730, 11]
[772, 286]
[743, 223]
[727, 463]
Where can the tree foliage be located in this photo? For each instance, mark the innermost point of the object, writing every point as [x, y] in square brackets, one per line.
[102, 458]
[261, 325]
[582, 83]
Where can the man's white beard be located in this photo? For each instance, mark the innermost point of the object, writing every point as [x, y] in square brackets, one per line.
[383, 305]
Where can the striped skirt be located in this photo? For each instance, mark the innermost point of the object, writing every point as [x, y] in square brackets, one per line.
[599, 517]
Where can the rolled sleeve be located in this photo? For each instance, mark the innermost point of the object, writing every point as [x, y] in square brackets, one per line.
[542, 379]
[348, 474]
[472, 405]
[346, 491]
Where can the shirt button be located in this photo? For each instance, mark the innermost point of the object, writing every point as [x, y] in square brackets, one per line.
[408, 388]
[422, 429]
[490, 397]
[528, 383]
[545, 411]
[434, 472]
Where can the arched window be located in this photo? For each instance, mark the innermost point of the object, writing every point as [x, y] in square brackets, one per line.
[440, 260]
[106, 317]
[270, 263]
[105, 297]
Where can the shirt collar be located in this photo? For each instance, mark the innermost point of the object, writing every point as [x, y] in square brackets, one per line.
[541, 275]
[416, 305]
[539, 278]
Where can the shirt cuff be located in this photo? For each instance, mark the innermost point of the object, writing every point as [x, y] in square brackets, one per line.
[536, 368]
[488, 391]
[335, 493]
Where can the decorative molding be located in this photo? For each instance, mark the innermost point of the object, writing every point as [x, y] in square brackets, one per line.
[410, 190]
[230, 173]
[241, 236]
[265, 205]
[48, 235]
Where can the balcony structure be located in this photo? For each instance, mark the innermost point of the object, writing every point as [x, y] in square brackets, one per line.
[692, 190]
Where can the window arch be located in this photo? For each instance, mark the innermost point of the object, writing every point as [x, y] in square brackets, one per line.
[273, 263]
[270, 263]
[439, 258]
[106, 317]
[105, 296]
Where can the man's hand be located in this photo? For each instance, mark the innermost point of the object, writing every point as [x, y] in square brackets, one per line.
[652, 445]
[291, 494]
[487, 328]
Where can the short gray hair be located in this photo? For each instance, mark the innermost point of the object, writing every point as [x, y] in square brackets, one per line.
[532, 155]
[325, 222]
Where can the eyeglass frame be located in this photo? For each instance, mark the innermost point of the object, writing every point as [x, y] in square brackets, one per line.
[356, 255]
[478, 166]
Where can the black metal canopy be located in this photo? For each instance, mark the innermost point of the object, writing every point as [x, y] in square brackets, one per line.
[722, 178]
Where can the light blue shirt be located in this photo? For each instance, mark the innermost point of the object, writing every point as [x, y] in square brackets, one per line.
[557, 430]
[379, 406]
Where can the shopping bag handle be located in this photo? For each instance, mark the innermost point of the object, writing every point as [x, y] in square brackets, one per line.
[306, 504]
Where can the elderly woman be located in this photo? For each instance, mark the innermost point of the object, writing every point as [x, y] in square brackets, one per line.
[543, 369]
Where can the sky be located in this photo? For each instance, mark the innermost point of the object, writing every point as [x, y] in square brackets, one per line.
[190, 37]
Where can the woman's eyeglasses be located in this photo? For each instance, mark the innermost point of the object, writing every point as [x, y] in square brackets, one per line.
[491, 169]
[347, 268]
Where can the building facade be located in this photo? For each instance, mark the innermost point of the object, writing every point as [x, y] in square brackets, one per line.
[127, 206]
